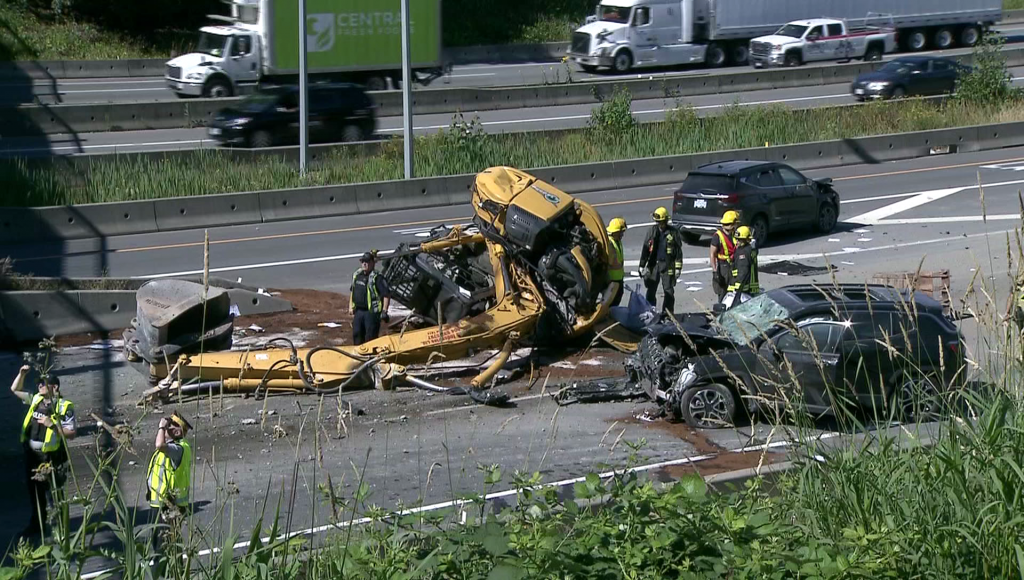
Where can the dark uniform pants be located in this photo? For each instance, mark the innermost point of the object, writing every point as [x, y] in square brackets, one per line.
[721, 279]
[39, 492]
[668, 285]
[365, 326]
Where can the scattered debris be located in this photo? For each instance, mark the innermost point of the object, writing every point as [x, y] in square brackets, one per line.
[847, 263]
[834, 240]
[863, 239]
[862, 231]
[329, 325]
[255, 328]
[790, 268]
[279, 432]
[598, 391]
[249, 421]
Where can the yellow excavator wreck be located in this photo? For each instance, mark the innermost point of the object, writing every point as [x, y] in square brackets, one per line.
[530, 270]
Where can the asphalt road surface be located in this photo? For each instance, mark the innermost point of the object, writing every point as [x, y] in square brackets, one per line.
[411, 447]
[504, 121]
[120, 90]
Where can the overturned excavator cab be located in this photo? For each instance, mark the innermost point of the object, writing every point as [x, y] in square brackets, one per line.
[530, 270]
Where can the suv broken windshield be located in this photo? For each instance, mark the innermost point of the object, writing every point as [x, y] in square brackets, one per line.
[752, 318]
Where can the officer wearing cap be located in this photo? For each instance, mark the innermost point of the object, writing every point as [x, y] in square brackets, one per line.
[616, 272]
[49, 422]
[368, 300]
[170, 474]
[661, 259]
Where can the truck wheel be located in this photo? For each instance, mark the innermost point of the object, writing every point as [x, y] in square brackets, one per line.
[793, 59]
[715, 56]
[873, 53]
[916, 40]
[622, 62]
[217, 89]
[376, 84]
[943, 38]
[739, 54]
[260, 139]
[970, 35]
[351, 134]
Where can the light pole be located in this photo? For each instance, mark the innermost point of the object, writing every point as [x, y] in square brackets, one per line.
[407, 91]
[303, 94]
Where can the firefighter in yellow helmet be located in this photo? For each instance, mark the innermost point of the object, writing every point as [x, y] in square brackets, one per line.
[722, 249]
[744, 272]
[661, 259]
[170, 476]
[616, 264]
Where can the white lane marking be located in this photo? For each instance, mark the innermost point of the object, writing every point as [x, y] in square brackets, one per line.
[114, 146]
[919, 199]
[949, 219]
[646, 112]
[876, 198]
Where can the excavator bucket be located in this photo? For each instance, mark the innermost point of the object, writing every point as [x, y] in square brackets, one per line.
[173, 319]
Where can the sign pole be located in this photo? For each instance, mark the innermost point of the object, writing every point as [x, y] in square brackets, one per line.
[303, 92]
[407, 91]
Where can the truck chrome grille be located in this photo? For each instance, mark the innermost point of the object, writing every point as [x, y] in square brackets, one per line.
[760, 48]
[580, 43]
[174, 72]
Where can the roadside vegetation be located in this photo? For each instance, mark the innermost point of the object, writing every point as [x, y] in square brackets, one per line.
[466, 148]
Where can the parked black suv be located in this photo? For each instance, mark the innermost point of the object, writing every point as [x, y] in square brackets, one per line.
[770, 197]
[816, 348]
[337, 112]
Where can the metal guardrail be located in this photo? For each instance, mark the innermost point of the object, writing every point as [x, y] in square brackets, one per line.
[18, 225]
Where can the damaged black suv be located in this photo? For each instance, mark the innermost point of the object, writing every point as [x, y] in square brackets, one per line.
[805, 347]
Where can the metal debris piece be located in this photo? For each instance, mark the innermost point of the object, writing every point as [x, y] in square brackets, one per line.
[599, 391]
[249, 421]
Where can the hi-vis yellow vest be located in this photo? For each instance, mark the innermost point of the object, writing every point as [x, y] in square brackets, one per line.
[164, 479]
[53, 439]
[617, 273]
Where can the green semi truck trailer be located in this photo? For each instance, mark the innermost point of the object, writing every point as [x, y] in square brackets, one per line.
[346, 41]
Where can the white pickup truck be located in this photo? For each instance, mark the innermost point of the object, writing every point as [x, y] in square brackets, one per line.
[821, 39]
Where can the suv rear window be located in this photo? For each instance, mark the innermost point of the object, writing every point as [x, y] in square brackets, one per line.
[697, 182]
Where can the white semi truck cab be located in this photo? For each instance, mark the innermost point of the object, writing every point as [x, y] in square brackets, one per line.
[226, 62]
[347, 40]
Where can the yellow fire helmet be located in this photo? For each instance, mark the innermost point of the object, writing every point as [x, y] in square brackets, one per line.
[616, 225]
[660, 214]
[730, 217]
[743, 233]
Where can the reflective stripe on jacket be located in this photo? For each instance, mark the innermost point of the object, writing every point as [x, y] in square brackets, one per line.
[372, 298]
[53, 439]
[744, 273]
[725, 242]
[164, 479]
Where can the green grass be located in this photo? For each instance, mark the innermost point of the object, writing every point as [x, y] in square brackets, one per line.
[28, 36]
[472, 22]
[466, 149]
[1013, 4]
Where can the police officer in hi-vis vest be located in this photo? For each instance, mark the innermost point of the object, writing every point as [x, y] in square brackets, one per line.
[661, 259]
[49, 422]
[169, 479]
[368, 300]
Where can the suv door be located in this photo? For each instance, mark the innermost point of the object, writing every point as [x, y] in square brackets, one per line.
[765, 194]
[802, 200]
[873, 349]
[810, 382]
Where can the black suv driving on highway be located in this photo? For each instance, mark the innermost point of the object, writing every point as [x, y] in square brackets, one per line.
[769, 197]
[337, 112]
[805, 346]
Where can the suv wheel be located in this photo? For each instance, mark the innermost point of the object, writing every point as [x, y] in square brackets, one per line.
[760, 230]
[918, 398]
[708, 406]
[691, 238]
[827, 218]
[351, 134]
[260, 139]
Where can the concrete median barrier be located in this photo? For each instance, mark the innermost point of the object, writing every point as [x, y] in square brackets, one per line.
[242, 208]
[180, 213]
[307, 202]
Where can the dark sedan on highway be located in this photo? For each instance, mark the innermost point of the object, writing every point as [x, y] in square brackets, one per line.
[337, 112]
[770, 197]
[909, 76]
